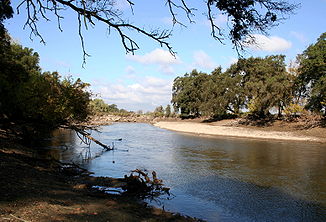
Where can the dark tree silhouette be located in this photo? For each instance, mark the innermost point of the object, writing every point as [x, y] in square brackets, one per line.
[245, 17]
[5, 13]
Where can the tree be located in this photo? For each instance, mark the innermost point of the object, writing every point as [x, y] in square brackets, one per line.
[6, 12]
[98, 106]
[213, 94]
[312, 75]
[17, 66]
[266, 82]
[223, 93]
[167, 112]
[187, 91]
[245, 17]
[236, 93]
[159, 111]
[29, 95]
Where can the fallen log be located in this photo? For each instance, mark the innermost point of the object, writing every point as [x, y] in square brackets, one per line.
[106, 147]
[88, 136]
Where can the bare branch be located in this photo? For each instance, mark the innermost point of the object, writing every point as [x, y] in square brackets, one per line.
[245, 18]
[85, 54]
[214, 27]
[184, 7]
[131, 4]
[132, 46]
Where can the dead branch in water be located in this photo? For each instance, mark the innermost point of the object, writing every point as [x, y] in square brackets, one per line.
[143, 185]
[81, 131]
[85, 134]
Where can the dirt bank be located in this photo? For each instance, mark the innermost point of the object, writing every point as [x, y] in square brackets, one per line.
[279, 130]
[108, 119]
[35, 189]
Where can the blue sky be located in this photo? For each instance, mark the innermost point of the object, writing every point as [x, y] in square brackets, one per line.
[144, 81]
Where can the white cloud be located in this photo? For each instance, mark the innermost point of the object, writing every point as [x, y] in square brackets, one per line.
[143, 94]
[220, 20]
[154, 81]
[167, 69]
[299, 36]
[231, 60]
[157, 56]
[167, 21]
[270, 44]
[202, 60]
[122, 5]
[130, 70]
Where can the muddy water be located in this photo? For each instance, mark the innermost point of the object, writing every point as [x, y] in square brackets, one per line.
[216, 179]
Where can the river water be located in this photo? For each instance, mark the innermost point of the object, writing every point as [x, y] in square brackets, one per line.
[213, 178]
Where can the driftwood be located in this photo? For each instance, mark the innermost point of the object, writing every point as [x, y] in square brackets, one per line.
[143, 186]
[95, 140]
[140, 185]
[82, 132]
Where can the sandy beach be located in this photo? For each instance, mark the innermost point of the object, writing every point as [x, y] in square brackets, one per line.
[236, 131]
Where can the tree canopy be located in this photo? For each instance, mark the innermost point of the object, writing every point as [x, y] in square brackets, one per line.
[98, 106]
[312, 74]
[186, 92]
[28, 94]
[6, 12]
[256, 84]
[245, 17]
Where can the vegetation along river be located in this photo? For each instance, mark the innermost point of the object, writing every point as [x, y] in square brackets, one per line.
[215, 179]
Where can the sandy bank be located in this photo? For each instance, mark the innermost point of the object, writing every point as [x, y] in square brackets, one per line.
[235, 131]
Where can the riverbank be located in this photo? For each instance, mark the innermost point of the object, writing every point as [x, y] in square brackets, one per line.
[98, 120]
[279, 130]
[34, 189]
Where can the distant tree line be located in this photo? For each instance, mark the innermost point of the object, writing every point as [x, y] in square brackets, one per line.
[256, 85]
[98, 106]
[163, 112]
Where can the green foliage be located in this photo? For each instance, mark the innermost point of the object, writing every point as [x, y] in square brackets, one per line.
[159, 111]
[167, 112]
[98, 106]
[266, 83]
[223, 93]
[186, 93]
[312, 75]
[257, 84]
[17, 66]
[6, 12]
[54, 101]
[293, 110]
[30, 95]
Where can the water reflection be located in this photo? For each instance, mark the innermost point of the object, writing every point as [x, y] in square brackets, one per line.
[296, 168]
[65, 145]
[220, 179]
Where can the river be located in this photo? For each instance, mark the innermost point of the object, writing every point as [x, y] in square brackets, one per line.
[215, 179]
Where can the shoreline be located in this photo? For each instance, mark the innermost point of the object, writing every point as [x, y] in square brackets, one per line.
[225, 129]
[34, 189]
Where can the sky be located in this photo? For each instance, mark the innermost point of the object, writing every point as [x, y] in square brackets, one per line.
[144, 80]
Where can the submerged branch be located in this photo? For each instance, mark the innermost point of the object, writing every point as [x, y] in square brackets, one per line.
[81, 130]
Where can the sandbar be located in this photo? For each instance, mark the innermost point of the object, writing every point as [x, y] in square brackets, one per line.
[233, 131]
